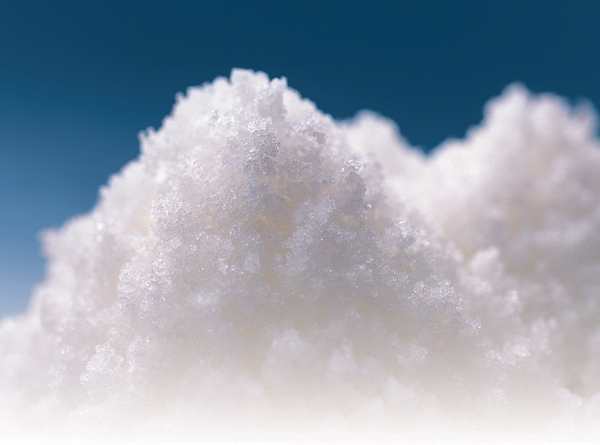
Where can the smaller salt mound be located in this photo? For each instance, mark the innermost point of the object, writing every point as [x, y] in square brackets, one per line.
[520, 199]
[524, 188]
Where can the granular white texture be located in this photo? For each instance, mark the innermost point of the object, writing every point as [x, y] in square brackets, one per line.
[264, 271]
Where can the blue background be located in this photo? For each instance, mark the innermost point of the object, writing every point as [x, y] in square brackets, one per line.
[79, 80]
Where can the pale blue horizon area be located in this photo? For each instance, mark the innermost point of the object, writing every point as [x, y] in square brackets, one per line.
[78, 81]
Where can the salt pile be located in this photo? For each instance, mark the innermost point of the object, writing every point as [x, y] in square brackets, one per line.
[264, 271]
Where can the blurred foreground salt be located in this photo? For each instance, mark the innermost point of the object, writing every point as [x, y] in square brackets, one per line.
[261, 271]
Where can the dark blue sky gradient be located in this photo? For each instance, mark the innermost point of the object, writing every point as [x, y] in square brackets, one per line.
[79, 80]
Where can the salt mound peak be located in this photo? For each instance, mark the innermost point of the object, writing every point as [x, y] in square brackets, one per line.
[261, 267]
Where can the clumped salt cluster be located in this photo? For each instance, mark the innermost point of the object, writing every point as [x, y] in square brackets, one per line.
[263, 270]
